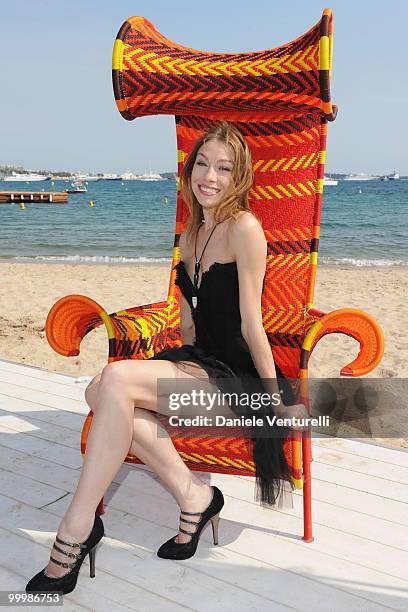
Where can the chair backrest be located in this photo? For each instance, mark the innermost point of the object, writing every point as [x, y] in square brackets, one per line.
[280, 100]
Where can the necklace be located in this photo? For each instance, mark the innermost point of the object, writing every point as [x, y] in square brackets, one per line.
[198, 265]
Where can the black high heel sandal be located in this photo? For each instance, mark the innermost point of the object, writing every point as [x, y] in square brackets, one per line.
[180, 551]
[67, 583]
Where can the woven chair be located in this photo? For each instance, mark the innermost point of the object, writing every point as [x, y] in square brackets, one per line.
[280, 100]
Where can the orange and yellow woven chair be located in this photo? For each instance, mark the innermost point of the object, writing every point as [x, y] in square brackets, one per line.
[280, 100]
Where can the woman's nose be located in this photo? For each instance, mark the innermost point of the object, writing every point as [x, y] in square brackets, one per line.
[210, 172]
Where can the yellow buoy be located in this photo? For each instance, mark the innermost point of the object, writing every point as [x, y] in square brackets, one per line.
[22, 206]
[91, 203]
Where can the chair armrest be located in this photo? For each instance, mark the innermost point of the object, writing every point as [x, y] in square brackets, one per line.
[355, 323]
[139, 332]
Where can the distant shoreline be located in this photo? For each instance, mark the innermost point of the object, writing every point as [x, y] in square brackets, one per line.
[166, 264]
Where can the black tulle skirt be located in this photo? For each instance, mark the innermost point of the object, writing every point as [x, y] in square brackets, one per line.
[271, 468]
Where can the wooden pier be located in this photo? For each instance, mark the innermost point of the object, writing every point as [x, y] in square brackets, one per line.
[357, 562]
[16, 197]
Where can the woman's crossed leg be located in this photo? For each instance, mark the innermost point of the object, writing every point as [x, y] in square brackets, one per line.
[123, 398]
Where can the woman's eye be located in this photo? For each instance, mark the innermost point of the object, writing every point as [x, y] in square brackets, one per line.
[225, 168]
[200, 163]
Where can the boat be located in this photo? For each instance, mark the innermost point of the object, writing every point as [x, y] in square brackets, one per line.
[329, 181]
[391, 177]
[150, 176]
[29, 177]
[360, 177]
[87, 178]
[77, 187]
[129, 176]
[108, 176]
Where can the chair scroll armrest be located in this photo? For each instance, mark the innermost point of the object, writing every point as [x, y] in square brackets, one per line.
[355, 323]
[137, 332]
[70, 319]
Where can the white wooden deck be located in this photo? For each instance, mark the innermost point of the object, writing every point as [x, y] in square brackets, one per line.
[358, 561]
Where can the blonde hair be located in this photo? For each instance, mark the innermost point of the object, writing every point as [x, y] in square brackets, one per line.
[242, 176]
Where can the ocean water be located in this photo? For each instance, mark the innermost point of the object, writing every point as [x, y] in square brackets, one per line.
[363, 224]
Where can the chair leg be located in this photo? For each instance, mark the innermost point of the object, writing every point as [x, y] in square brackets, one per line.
[307, 488]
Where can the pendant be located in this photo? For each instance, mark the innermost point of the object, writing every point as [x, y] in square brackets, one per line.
[194, 300]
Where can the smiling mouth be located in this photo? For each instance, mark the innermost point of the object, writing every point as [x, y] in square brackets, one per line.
[209, 191]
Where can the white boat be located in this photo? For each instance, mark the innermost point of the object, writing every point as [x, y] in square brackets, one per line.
[329, 181]
[87, 178]
[360, 177]
[30, 177]
[150, 176]
[390, 177]
[109, 176]
[129, 176]
[77, 187]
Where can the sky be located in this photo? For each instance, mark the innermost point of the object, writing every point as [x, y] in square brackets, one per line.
[57, 110]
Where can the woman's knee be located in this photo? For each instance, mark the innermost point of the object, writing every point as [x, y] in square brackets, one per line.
[123, 377]
[91, 391]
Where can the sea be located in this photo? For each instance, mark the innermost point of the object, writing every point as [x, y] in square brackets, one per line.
[364, 223]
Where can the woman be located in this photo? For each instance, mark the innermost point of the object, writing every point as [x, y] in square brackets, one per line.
[223, 248]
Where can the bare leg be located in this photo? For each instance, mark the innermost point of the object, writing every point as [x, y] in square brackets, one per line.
[152, 444]
[109, 440]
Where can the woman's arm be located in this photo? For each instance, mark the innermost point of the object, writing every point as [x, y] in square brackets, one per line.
[247, 241]
[186, 319]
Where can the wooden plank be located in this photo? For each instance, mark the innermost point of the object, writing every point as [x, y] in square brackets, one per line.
[106, 594]
[44, 400]
[30, 445]
[369, 484]
[284, 569]
[385, 532]
[131, 503]
[34, 197]
[125, 572]
[11, 579]
[31, 492]
[41, 429]
[39, 470]
[46, 414]
[393, 456]
[35, 372]
[360, 465]
[339, 496]
[18, 385]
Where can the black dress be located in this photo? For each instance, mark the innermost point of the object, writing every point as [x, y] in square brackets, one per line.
[223, 353]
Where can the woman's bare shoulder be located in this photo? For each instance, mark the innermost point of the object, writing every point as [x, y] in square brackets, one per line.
[243, 223]
[245, 232]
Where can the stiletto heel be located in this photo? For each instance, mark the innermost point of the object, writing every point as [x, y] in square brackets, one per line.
[180, 551]
[67, 583]
[92, 555]
[215, 522]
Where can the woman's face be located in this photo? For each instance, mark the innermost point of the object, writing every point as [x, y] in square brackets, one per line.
[211, 178]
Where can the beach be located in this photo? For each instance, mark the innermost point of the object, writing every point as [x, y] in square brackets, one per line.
[30, 289]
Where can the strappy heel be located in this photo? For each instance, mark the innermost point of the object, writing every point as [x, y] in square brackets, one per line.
[67, 583]
[180, 551]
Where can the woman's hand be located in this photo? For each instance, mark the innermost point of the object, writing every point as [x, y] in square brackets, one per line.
[298, 411]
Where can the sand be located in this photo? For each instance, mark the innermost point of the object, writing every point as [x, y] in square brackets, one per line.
[28, 290]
